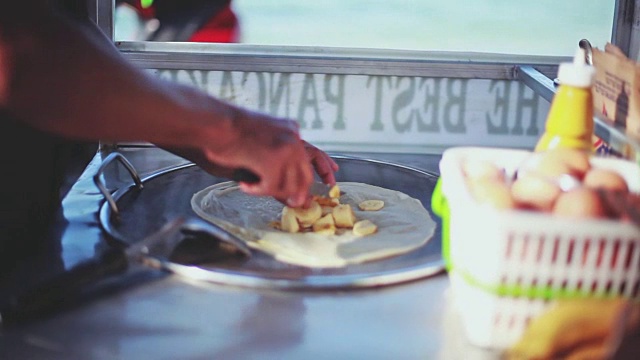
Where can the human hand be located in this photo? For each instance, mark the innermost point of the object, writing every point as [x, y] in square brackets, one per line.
[271, 148]
[324, 166]
[322, 163]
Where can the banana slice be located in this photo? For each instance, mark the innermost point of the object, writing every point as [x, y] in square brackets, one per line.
[343, 216]
[334, 192]
[325, 201]
[308, 216]
[275, 225]
[364, 227]
[326, 210]
[325, 225]
[288, 220]
[371, 205]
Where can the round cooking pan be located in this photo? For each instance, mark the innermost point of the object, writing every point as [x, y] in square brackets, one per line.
[136, 211]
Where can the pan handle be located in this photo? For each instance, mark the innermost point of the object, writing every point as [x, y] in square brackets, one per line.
[97, 179]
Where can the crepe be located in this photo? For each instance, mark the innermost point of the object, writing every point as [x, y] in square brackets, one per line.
[403, 225]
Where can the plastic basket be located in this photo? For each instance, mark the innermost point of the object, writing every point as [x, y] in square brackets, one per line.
[506, 266]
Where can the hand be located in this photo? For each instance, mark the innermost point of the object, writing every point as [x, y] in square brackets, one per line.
[272, 149]
[322, 163]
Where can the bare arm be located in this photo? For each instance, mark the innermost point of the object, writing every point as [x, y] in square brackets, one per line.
[65, 78]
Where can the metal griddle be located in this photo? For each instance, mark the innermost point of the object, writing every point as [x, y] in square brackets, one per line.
[140, 209]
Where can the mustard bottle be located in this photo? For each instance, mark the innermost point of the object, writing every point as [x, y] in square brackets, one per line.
[570, 119]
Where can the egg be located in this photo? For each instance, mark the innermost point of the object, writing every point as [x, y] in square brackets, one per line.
[482, 169]
[615, 203]
[535, 192]
[556, 162]
[495, 193]
[581, 202]
[631, 210]
[605, 179]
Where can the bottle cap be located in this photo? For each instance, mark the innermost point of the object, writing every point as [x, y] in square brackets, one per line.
[577, 73]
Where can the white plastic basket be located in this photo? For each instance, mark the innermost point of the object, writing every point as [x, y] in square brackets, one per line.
[506, 266]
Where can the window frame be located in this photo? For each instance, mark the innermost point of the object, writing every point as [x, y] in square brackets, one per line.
[243, 57]
[534, 71]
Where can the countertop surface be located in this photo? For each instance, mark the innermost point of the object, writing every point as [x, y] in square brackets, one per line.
[152, 314]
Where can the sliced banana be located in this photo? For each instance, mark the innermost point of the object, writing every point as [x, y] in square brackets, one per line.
[371, 205]
[326, 210]
[334, 192]
[364, 227]
[275, 225]
[288, 220]
[343, 216]
[325, 225]
[308, 216]
[325, 201]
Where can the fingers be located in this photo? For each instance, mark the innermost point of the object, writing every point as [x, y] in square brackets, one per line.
[272, 148]
[296, 183]
[323, 164]
[290, 185]
[286, 178]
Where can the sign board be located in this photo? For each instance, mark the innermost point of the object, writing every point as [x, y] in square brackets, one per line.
[384, 113]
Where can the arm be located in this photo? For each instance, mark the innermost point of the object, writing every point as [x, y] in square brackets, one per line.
[66, 78]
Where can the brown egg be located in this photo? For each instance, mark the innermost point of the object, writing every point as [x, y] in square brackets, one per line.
[605, 179]
[615, 203]
[631, 210]
[581, 202]
[482, 169]
[492, 192]
[533, 191]
[555, 162]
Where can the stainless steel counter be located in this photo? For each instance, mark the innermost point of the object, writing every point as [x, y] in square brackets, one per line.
[149, 314]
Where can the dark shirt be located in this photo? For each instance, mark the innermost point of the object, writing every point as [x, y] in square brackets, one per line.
[38, 170]
[77, 9]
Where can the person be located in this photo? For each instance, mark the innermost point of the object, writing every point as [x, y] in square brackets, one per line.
[63, 83]
[180, 20]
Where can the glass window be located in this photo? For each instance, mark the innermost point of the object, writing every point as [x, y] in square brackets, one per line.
[378, 99]
[541, 27]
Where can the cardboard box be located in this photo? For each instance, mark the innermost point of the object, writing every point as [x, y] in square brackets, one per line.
[616, 90]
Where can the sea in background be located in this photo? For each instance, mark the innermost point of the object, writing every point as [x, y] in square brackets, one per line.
[540, 27]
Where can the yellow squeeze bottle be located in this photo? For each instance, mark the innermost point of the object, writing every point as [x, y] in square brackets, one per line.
[570, 119]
